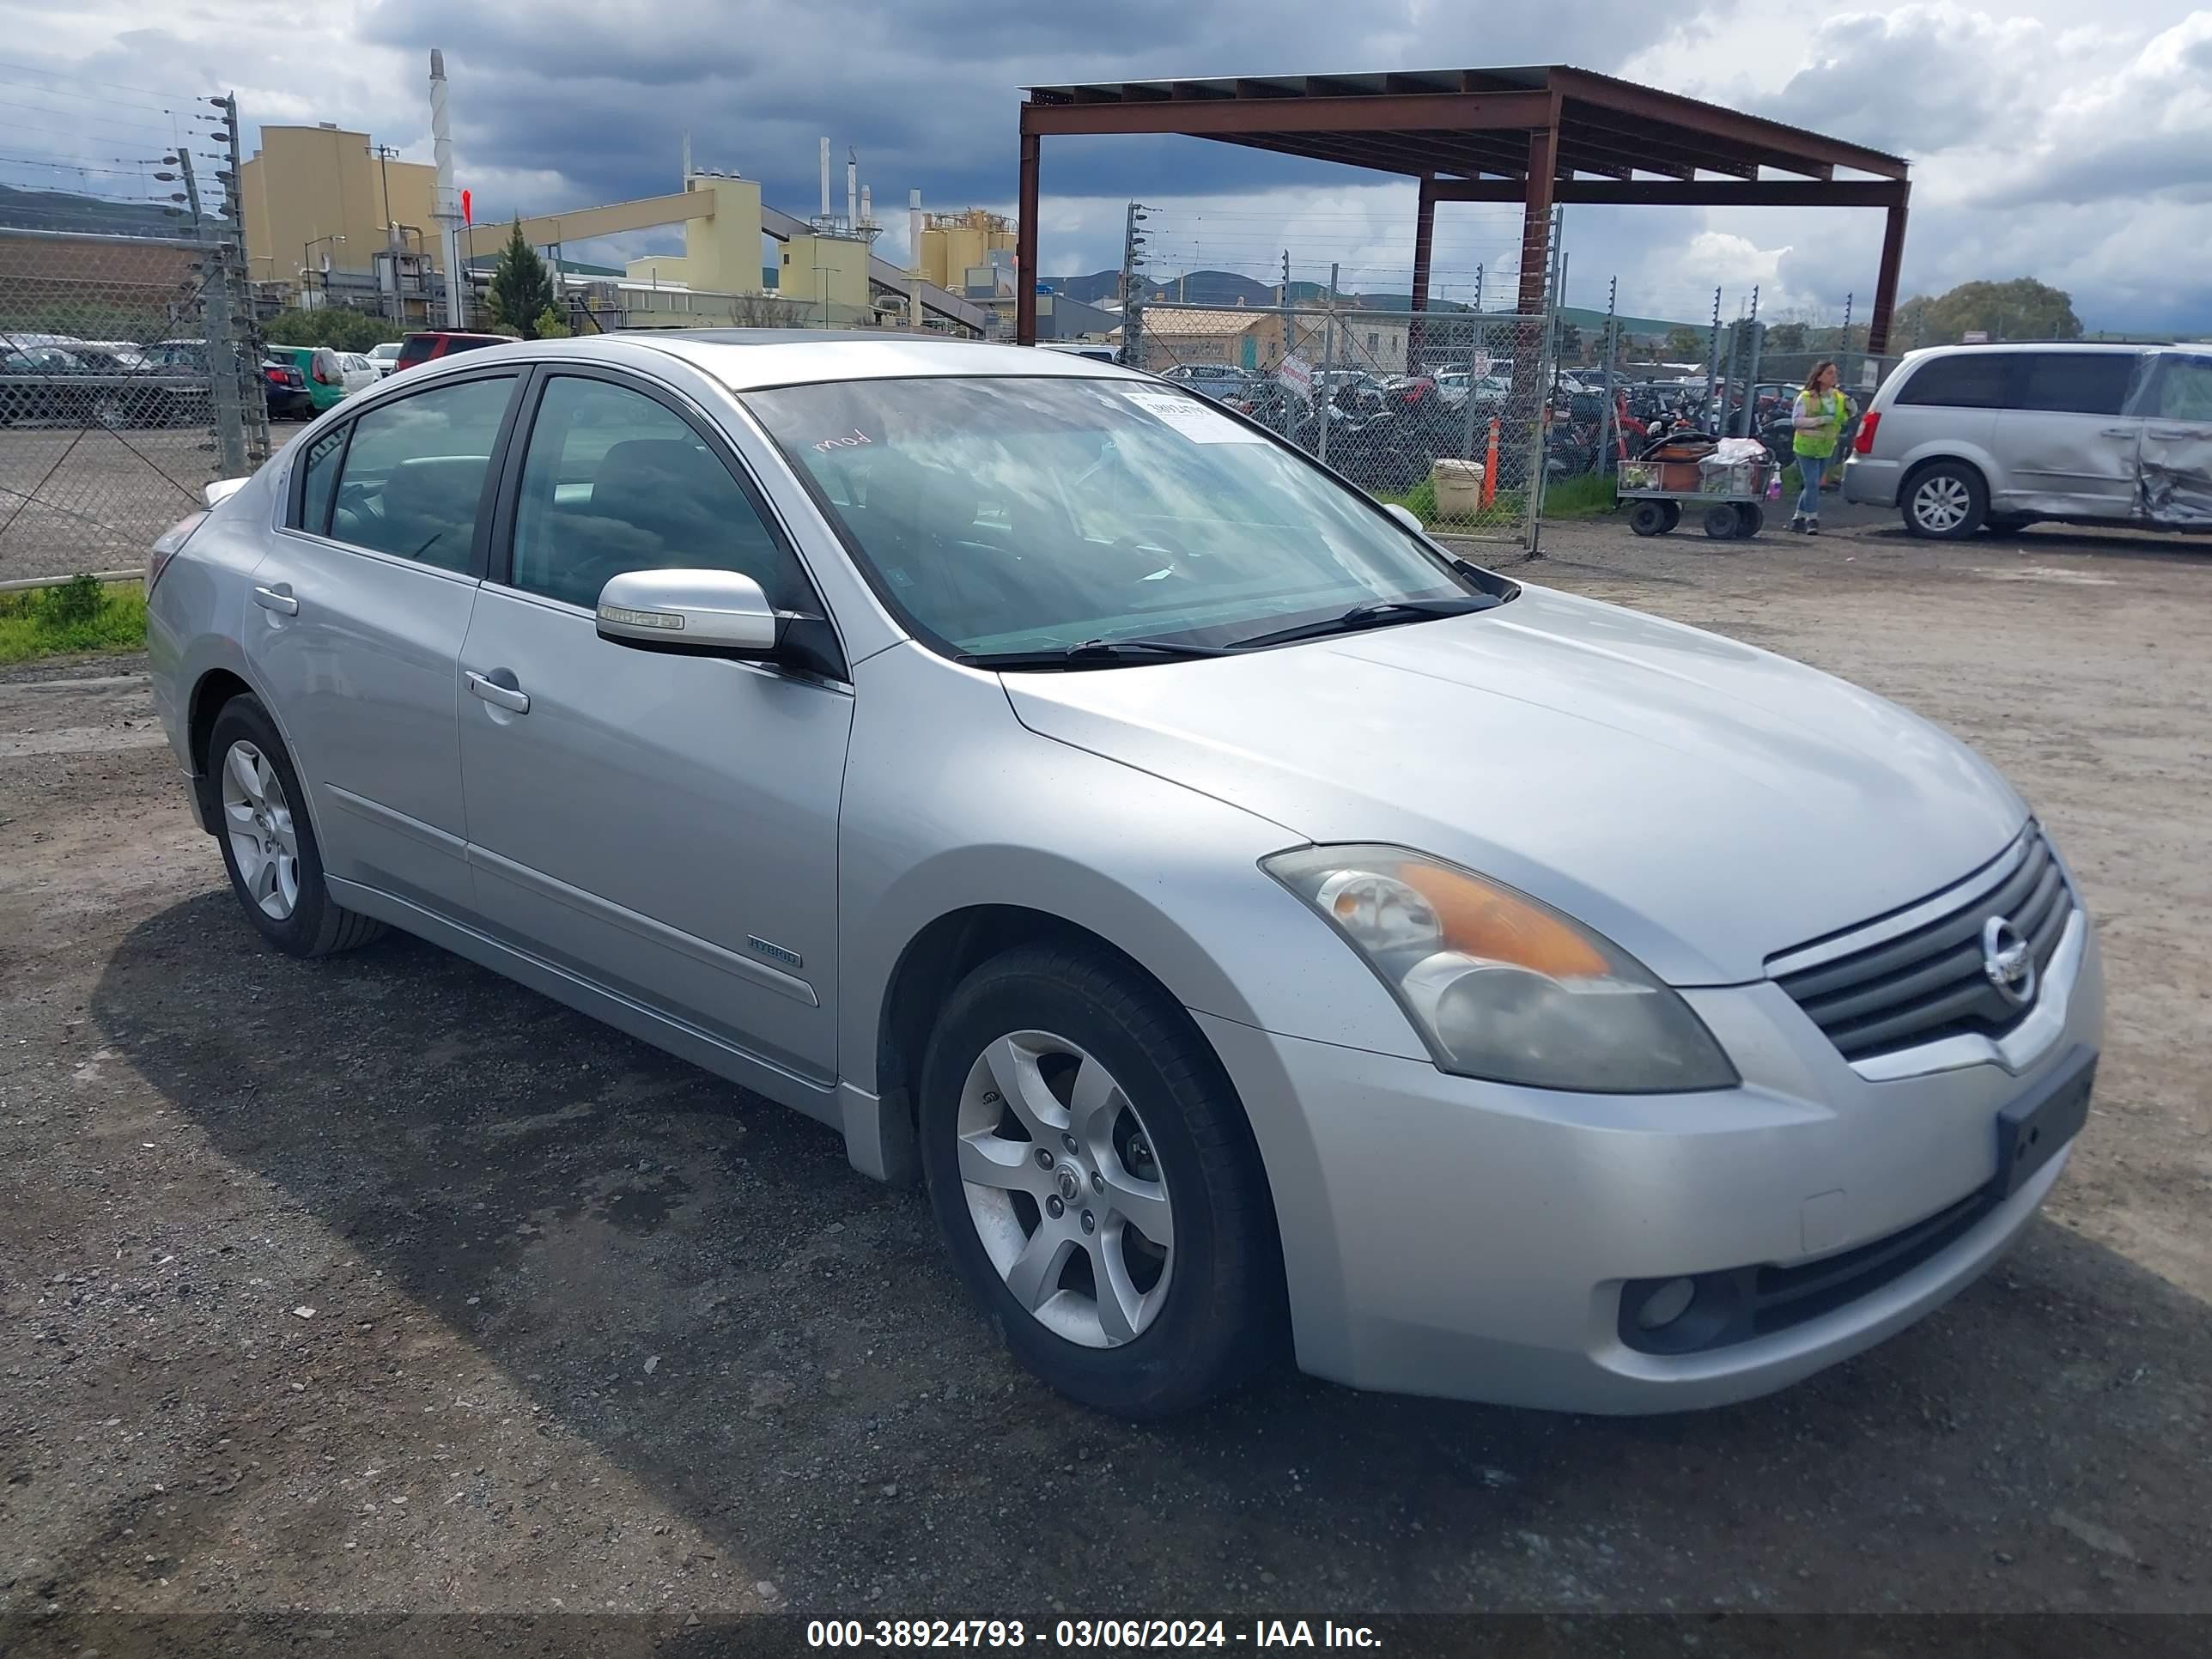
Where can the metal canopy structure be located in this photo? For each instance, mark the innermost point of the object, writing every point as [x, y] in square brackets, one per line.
[1536, 135]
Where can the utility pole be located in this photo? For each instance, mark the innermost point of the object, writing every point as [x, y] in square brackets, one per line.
[1327, 406]
[1133, 288]
[384, 153]
[223, 360]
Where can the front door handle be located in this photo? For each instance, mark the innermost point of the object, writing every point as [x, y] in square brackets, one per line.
[503, 696]
[2171, 433]
[277, 598]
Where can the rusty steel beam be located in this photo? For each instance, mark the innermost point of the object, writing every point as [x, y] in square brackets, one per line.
[1425, 236]
[1692, 192]
[1025, 246]
[1885, 285]
[1414, 112]
[1536, 199]
[1772, 140]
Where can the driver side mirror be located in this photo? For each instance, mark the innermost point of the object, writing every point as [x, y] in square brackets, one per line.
[703, 613]
[1407, 517]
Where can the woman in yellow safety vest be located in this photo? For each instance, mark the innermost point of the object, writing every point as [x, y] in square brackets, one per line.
[1818, 416]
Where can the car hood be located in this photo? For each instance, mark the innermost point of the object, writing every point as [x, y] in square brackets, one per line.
[1703, 803]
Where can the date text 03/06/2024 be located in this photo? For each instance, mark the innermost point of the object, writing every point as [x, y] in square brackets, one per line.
[1086, 1633]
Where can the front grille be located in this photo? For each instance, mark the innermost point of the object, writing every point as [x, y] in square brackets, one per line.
[1929, 983]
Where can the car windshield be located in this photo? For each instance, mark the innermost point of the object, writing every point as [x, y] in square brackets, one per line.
[1009, 517]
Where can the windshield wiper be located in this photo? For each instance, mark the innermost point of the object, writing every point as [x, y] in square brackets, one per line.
[1374, 614]
[1095, 651]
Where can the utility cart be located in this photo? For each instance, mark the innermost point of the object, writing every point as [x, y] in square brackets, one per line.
[1726, 498]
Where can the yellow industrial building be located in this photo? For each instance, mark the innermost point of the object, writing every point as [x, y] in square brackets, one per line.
[312, 192]
[955, 244]
[320, 192]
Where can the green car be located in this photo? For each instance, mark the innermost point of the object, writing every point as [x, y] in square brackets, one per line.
[319, 366]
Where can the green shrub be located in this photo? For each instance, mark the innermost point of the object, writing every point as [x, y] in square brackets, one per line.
[80, 614]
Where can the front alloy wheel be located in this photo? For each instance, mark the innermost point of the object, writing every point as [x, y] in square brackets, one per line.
[1063, 1184]
[1097, 1184]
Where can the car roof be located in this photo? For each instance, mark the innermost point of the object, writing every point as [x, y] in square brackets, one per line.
[2047, 345]
[747, 359]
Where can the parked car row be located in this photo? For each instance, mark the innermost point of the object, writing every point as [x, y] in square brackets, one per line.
[83, 383]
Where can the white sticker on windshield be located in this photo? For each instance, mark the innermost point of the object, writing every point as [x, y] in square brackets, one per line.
[1193, 418]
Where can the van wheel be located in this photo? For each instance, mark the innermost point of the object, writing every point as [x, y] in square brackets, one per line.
[268, 845]
[1096, 1181]
[1947, 501]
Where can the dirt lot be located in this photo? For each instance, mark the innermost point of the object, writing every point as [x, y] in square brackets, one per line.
[380, 1284]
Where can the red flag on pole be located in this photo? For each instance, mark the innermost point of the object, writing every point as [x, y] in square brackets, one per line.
[467, 218]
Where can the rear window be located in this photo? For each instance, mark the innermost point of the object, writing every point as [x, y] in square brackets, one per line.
[1974, 380]
[2077, 382]
[416, 349]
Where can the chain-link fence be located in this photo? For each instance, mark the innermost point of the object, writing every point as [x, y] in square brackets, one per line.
[1444, 411]
[108, 401]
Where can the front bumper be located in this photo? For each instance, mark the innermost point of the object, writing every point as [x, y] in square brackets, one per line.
[1471, 1240]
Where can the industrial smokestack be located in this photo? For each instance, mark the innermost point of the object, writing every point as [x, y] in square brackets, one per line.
[852, 190]
[446, 208]
[825, 177]
[914, 258]
[867, 207]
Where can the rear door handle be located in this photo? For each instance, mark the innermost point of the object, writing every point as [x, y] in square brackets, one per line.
[277, 598]
[505, 697]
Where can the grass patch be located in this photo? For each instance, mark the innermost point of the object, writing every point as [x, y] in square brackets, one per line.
[81, 614]
[1585, 495]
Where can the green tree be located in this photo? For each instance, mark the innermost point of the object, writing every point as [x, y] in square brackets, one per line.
[521, 286]
[339, 327]
[2021, 309]
[1686, 344]
[1786, 336]
[549, 326]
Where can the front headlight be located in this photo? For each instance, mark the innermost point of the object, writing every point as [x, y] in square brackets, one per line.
[1501, 987]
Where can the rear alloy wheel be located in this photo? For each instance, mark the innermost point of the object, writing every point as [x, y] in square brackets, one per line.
[1097, 1183]
[268, 844]
[1947, 501]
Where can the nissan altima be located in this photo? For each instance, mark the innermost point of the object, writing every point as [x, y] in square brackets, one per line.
[1269, 936]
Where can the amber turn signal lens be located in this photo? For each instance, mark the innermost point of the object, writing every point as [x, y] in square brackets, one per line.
[1500, 926]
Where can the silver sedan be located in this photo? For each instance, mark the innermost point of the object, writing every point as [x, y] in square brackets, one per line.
[1268, 934]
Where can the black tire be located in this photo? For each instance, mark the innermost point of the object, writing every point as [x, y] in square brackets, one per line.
[1750, 519]
[317, 925]
[1649, 518]
[1944, 502]
[1674, 516]
[1224, 1318]
[1722, 523]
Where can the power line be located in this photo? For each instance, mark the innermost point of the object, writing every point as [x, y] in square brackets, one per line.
[98, 98]
[32, 68]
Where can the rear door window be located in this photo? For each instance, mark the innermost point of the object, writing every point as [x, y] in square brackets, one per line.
[413, 477]
[1973, 379]
[2077, 382]
[2184, 391]
[319, 484]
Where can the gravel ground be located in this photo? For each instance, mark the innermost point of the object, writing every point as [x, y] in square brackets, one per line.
[381, 1285]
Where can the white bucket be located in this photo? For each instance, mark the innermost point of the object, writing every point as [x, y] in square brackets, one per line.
[1458, 488]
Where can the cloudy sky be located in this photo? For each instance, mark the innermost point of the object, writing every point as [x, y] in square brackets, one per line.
[2067, 142]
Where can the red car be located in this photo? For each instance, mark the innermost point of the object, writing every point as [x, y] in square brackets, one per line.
[441, 342]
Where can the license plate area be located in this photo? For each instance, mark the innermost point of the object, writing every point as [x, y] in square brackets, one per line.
[2036, 1127]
